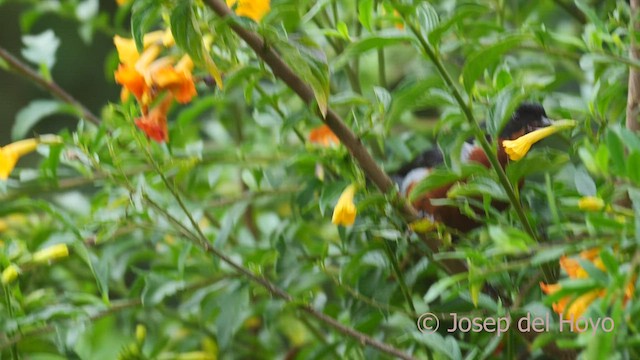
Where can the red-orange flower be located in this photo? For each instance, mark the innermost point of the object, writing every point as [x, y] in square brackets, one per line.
[154, 123]
[574, 307]
[132, 81]
[323, 135]
[177, 80]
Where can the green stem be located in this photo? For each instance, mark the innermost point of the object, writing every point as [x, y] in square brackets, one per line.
[7, 299]
[396, 269]
[479, 134]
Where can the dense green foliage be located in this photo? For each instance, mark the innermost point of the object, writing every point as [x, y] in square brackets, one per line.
[176, 248]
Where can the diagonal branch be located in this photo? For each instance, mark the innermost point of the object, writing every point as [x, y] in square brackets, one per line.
[23, 69]
[347, 137]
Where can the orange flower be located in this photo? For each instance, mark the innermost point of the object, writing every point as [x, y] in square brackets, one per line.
[322, 135]
[177, 80]
[132, 81]
[154, 124]
[574, 307]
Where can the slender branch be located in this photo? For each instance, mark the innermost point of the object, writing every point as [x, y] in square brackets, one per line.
[116, 307]
[335, 123]
[479, 134]
[21, 68]
[572, 10]
[201, 240]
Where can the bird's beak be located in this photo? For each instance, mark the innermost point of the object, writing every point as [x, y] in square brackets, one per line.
[544, 122]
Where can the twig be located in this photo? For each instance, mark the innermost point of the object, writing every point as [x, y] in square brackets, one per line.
[117, 306]
[201, 240]
[53, 88]
[114, 308]
[572, 10]
[335, 123]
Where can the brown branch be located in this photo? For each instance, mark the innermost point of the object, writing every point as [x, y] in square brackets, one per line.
[335, 123]
[633, 106]
[200, 239]
[23, 69]
[572, 10]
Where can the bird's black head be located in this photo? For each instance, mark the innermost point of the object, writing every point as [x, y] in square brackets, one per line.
[527, 118]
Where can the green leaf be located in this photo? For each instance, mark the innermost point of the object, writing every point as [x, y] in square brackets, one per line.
[144, 14]
[369, 43]
[478, 62]
[462, 12]
[87, 10]
[427, 18]
[234, 305]
[609, 261]
[41, 49]
[437, 289]
[548, 255]
[633, 167]
[158, 287]
[365, 13]
[591, 14]
[309, 62]
[184, 30]
[616, 149]
[481, 186]
[441, 177]
[510, 240]
[634, 195]
[31, 114]
[584, 183]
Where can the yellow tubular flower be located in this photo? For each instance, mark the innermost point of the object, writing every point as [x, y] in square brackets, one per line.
[9, 274]
[10, 154]
[253, 9]
[127, 52]
[591, 203]
[345, 211]
[518, 148]
[196, 355]
[578, 306]
[51, 253]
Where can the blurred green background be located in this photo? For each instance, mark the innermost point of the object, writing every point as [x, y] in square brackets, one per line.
[79, 67]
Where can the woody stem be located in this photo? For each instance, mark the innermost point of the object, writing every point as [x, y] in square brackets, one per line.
[347, 137]
[23, 69]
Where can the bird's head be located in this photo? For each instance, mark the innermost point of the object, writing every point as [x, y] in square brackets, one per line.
[528, 117]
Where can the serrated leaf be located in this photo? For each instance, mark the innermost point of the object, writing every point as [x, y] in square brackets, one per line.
[479, 61]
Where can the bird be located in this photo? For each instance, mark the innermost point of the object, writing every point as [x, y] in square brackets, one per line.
[527, 118]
